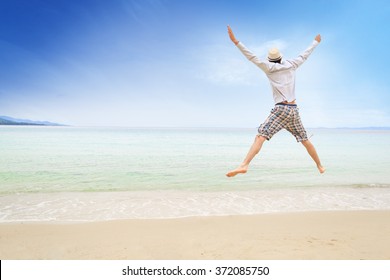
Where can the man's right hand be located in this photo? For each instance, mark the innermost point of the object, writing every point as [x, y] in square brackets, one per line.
[318, 38]
[231, 35]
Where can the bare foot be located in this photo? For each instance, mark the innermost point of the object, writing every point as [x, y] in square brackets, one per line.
[321, 169]
[240, 170]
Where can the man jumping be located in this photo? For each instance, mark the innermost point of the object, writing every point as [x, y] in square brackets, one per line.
[281, 75]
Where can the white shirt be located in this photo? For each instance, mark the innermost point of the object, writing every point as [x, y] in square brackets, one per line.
[281, 75]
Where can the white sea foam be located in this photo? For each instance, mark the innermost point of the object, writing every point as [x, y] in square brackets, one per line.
[81, 207]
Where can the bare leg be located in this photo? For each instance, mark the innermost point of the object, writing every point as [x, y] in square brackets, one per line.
[313, 153]
[253, 151]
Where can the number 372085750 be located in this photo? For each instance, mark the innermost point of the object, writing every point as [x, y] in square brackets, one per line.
[252, 270]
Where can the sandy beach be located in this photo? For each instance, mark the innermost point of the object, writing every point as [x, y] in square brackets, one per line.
[308, 235]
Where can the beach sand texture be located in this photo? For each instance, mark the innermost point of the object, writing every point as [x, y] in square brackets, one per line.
[308, 235]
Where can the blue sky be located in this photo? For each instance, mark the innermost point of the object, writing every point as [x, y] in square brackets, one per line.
[170, 63]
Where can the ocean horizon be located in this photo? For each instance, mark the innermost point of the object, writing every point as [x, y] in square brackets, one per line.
[70, 174]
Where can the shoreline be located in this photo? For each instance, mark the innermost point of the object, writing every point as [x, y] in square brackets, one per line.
[173, 218]
[105, 206]
[299, 235]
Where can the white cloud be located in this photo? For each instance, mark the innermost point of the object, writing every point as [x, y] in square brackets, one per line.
[360, 118]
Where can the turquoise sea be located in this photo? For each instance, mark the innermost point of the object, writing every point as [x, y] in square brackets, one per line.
[88, 174]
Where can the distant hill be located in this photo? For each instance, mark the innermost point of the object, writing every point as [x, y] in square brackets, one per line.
[4, 120]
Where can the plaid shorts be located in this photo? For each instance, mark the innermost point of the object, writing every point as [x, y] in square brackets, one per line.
[283, 116]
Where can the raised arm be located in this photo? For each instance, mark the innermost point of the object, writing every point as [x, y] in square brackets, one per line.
[247, 53]
[304, 55]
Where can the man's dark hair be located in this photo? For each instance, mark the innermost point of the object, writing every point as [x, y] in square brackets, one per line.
[276, 61]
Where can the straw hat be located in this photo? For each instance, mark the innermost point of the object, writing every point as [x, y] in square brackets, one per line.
[274, 55]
